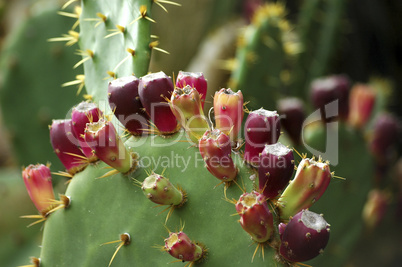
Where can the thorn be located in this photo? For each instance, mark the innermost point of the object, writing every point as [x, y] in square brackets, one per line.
[71, 38]
[132, 54]
[88, 54]
[143, 14]
[154, 44]
[67, 4]
[119, 29]
[80, 80]
[100, 19]
[125, 240]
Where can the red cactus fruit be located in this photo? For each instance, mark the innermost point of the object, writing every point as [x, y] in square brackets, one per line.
[108, 146]
[255, 216]
[125, 102]
[228, 109]
[305, 237]
[194, 80]
[311, 180]
[185, 104]
[65, 145]
[361, 104]
[160, 190]
[385, 134]
[262, 128]
[275, 170]
[216, 151]
[328, 89]
[180, 246]
[293, 115]
[83, 113]
[375, 208]
[38, 181]
[155, 90]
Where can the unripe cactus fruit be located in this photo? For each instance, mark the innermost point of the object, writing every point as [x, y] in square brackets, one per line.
[186, 105]
[361, 103]
[228, 109]
[125, 102]
[275, 170]
[38, 181]
[102, 137]
[255, 216]
[194, 80]
[180, 246]
[65, 145]
[154, 91]
[215, 149]
[160, 190]
[375, 208]
[83, 113]
[304, 237]
[293, 113]
[311, 180]
[262, 128]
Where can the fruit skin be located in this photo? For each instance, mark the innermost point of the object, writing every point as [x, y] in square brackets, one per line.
[195, 80]
[124, 100]
[160, 190]
[180, 246]
[275, 169]
[154, 90]
[262, 128]
[305, 237]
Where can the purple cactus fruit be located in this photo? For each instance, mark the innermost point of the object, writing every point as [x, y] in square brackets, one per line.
[311, 180]
[305, 237]
[361, 104]
[108, 146]
[38, 181]
[194, 80]
[180, 246]
[255, 216]
[275, 170]
[160, 190]
[328, 89]
[375, 208]
[215, 149]
[155, 90]
[262, 128]
[125, 102]
[292, 117]
[83, 113]
[65, 145]
[228, 109]
[185, 104]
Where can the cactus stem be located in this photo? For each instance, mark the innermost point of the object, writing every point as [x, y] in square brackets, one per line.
[154, 45]
[124, 240]
[71, 38]
[68, 3]
[119, 29]
[80, 81]
[88, 54]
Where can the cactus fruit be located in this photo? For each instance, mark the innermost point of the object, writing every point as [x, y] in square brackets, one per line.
[304, 237]
[375, 208]
[361, 104]
[194, 80]
[292, 117]
[180, 246]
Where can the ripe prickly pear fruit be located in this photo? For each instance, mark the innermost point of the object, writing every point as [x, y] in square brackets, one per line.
[331, 88]
[255, 216]
[361, 103]
[385, 135]
[38, 181]
[262, 128]
[293, 114]
[311, 180]
[215, 149]
[180, 246]
[186, 105]
[102, 137]
[304, 237]
[154, 90]
[228, 109]
[275, 170]
[65, 145]
[160, 190]
[194, 80]
[125, 102]
[83, 113]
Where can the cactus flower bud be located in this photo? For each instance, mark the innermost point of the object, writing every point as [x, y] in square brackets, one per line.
[161, 191]
[83, 113]
[375, 207]
[108, 146]
[65, 145]
[154, 90]
[180, 246]
[293, 113]
[38, 181]
[228, 109]
[186, 106]
[125, 102]
[194, 80]
[275, 170]
[262, 128]
[216, 151]
[255, 216]
[311, 180]
[304, 237]
[361, 103]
